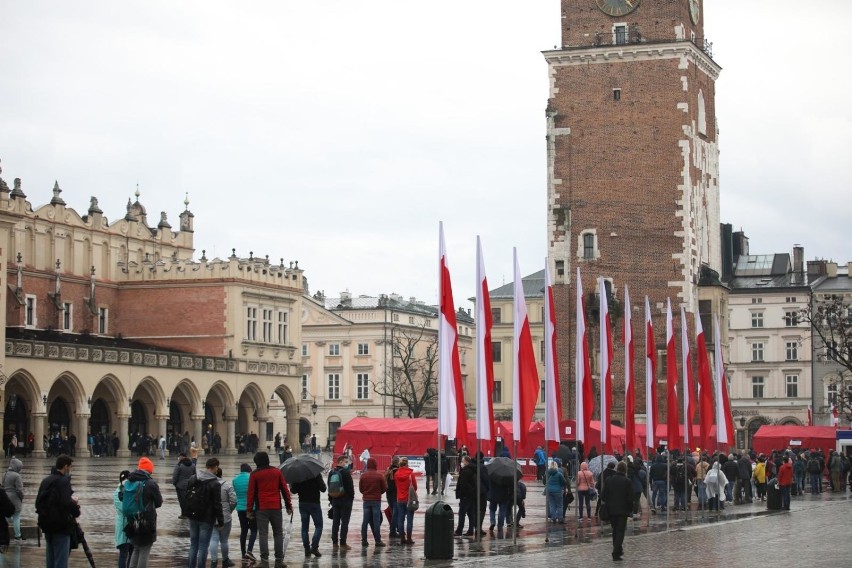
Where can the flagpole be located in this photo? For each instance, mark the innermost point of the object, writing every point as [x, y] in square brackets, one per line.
[515, 490]
[479, 465]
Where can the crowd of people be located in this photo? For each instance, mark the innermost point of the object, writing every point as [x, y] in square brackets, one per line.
[260, 495]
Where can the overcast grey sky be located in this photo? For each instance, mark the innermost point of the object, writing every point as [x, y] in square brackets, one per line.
[338, 133]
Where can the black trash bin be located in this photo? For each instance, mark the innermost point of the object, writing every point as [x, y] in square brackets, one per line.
[438, 541]
[773, 496]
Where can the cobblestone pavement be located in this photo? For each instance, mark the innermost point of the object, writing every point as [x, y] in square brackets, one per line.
[816, 527]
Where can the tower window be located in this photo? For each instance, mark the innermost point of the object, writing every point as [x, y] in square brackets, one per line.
[616, 94]
[588, 246]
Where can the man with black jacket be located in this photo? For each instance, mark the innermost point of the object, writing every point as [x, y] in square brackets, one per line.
[201, 525]
[183, 471]
[617, 497]
[466, 494]
[57, 509]
[309, 508]
[742, 491]
[660, 490]
[732, 471]
[341, 505]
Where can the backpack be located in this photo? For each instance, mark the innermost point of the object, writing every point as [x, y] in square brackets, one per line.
[813, 466]
[680, 475]
[131, 498]
[196, 500]
[51, 517]
[335, 484]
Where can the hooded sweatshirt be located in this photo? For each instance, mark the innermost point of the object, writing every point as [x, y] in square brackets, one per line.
[181, 474]
[372, 484]
[214, 498]
[13, 484]
[585, 478]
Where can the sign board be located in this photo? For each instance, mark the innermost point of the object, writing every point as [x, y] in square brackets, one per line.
[568, 431]
[418, 465]
[795, 443]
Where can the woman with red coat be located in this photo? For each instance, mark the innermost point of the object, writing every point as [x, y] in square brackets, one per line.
[785, 481]
[406, 480]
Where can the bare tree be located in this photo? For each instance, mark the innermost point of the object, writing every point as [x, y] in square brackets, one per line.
[830, 320]
[413, 377]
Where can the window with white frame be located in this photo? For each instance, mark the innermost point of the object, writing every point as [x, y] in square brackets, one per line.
[67, 316]
[497, 395]
[334, 349]
[395, 317]
[334, 386]
[588, 246]
[282, 327]
[832, 393]
[757, 319]
[792, 351]
[791, 319]
[620, 33]
[792, 386]
[305, 387]
[103, 321]
[267, 325]
[411, 320]
[30, 311]
[251, 323]
[542, 351]
[757, 387]
[362, 386]
[757, 351]
[363, 349]
[702, 114]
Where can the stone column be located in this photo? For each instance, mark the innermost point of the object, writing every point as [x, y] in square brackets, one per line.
[230, 443]
[123, 426]
[293, 431]
[38, 431]
[261, 434]
[82, 433]
[197, 430]
[161, 427]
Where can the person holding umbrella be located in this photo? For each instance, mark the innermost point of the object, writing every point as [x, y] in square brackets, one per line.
[305, 474]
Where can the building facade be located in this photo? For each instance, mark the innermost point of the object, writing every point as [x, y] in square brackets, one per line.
[371, 356]
[633, 166]
[770, 346]
[118, 327]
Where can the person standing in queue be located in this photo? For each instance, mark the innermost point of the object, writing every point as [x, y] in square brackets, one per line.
[617, 496]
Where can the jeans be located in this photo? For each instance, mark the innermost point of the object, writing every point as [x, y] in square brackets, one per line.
[373, 519]
[124, 552]
[199, 540]
[800, 482]
[584, 497]
[729, 491]
[403, 515]
[554, 506]
[57, 550]
[265, 518]
[393, 522]
[679, 499]
[341, 510]
[308, 511]
[701, 490]
[16, 524]
[661, 492]
[499, 508]
[140, 556]
[815, 483]
[220, 538]
[467, 509]
[785, 496]
[246, 530]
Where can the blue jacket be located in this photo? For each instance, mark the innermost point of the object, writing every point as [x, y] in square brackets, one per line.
[555, 481]
[240, 484]
[539, 458]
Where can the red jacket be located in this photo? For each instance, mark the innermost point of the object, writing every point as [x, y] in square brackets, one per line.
[403, 477]
[270, 486]
[785, 474]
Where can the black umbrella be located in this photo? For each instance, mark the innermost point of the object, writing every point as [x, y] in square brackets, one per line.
[503, 471]
[301, 468]
[81, 537]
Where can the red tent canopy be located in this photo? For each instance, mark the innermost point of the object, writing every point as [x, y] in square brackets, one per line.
[568, 431]
[662, 430]
[768, 438]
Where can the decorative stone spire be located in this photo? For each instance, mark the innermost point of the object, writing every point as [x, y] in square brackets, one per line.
[164, 223]
[93, 206]
[17, 191]
[3, 187]
[56, 191]
[186, 217]
[129, 216]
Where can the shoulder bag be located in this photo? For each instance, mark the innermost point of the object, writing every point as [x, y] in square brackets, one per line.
[413, 500]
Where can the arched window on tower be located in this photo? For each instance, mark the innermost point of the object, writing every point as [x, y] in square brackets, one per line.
[702, 114]
[587, 245]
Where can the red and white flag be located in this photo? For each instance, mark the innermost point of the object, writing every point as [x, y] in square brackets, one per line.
[724, 418]
[484, 352]
[650, 380]
[552, 396]
[583, 371]
[452, 417]
[705, 388]
[688, 382]
[606, 367]
[525, 369]
[835, 417]
[810, 416]
[672, 426]
[629, 378]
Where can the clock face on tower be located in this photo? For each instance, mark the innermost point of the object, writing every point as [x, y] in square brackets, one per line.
[694, 11]
[617, 7]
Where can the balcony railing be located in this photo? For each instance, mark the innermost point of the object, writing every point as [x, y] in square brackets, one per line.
[632, 36]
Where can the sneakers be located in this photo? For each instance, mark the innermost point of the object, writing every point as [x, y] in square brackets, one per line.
[344, 546]
[307, 553]
[364, 544]
[315, 551]
[249, 556]
[380, 544]
[227, 563]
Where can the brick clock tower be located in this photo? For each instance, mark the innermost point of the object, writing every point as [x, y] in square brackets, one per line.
[633, 164]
